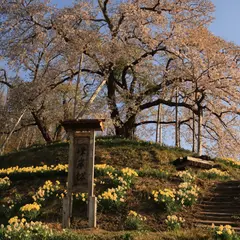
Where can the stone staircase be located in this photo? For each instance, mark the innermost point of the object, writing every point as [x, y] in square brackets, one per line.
[221, 207]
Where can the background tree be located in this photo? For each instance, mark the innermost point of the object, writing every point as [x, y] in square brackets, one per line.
[130, 56]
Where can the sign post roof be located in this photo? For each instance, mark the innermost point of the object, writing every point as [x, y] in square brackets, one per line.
[83, 125]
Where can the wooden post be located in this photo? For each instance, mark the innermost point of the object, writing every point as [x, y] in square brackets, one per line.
[67, 201]
[81, 166]
[67, 211]
[92, 201]
[92, 211]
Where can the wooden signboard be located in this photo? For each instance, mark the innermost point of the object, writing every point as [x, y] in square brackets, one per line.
[81, 166]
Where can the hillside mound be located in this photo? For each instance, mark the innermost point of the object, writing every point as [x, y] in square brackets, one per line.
[112, 151]
[140, 193]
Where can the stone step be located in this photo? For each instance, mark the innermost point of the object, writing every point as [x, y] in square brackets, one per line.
[223, 197]
[222, 200]
[230, 196]
[228, 183]
[221, 207]
[217, 217]
[225, 192]
[218, 206]
[221, 210]
[213, 213]
[227, 188]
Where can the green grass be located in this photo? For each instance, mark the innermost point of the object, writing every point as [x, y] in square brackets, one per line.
[113, 151]
[192, 234]
[153, 164]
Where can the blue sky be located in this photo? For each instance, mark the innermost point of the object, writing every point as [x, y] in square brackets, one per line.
[227, 19]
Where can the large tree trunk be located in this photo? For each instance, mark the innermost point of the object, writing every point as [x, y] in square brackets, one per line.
[200, 121]
[122, 129]
[114, 113]
[42, 128]
[127, 129]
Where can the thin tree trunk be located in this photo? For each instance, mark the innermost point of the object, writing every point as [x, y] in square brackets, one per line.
[200, 121]
[159, 125]
[177, 121]
[1, 138]
[179, 131]
[66, 112]
[89, 102]
[43, 129]
[10, 134]
[20, 140]
[33, 136]
[77, 86]
[193, 135]
[158, 120]
[58, 133]
[92, 98]
[27, 138]
[160, 129]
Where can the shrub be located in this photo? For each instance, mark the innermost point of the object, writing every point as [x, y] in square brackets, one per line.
[103, 169]
[81, 197]
[214, 173]
[134, 221]
[230, 161]
[186, 176]
[167, 198]
[172, 200]
[11, 204]
[173, 222]
[113, 198]
[30, 211]
[47, 190]
[224, 233]
[128, 175]
[24, 172]
[4, 183]
[155, 173]
[19, 229]
[187, 194]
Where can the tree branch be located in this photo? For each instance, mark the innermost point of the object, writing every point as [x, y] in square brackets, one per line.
[5, 82]
[168, 103]
[19, 129]
[162, 122]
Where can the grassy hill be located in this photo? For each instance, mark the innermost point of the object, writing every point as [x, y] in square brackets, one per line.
[139, 173]
[112, 151]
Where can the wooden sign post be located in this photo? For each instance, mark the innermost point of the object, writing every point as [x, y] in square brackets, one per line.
[81, 166]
